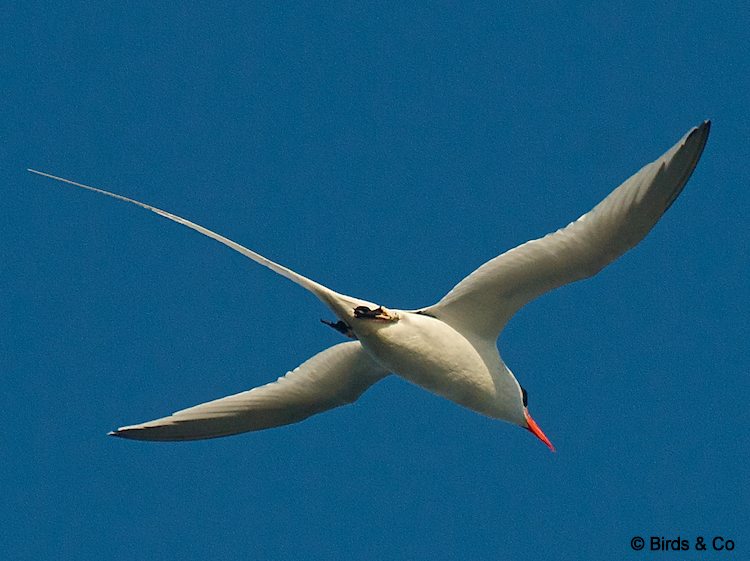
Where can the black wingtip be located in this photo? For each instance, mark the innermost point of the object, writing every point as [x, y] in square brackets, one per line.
[703, 129]
[698, 134]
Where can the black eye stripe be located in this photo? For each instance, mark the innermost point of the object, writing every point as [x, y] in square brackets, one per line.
[525, 396]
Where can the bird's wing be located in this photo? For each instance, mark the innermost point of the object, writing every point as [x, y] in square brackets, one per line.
[334, 377]
[483, 302]
[339, 303]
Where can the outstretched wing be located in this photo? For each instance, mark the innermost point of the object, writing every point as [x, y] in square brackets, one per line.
[483, 302]
[334, 377]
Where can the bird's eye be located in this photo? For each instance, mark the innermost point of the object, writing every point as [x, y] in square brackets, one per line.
[525, 396]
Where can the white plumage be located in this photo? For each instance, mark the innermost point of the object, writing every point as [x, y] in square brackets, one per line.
[450, 347]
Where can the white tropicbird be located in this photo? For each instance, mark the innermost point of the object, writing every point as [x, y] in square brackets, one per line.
[448, 348]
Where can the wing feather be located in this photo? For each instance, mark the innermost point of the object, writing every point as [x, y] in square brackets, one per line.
[483, 302]
[334, 377]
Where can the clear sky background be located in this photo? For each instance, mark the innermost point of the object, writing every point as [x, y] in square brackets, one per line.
[385, 151]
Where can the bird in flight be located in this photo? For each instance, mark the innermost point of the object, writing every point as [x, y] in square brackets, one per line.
[448, 348]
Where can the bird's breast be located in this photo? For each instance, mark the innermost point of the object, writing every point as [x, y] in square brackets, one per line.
[433, 355]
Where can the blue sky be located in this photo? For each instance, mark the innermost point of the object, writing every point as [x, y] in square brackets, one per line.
[385, 151]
